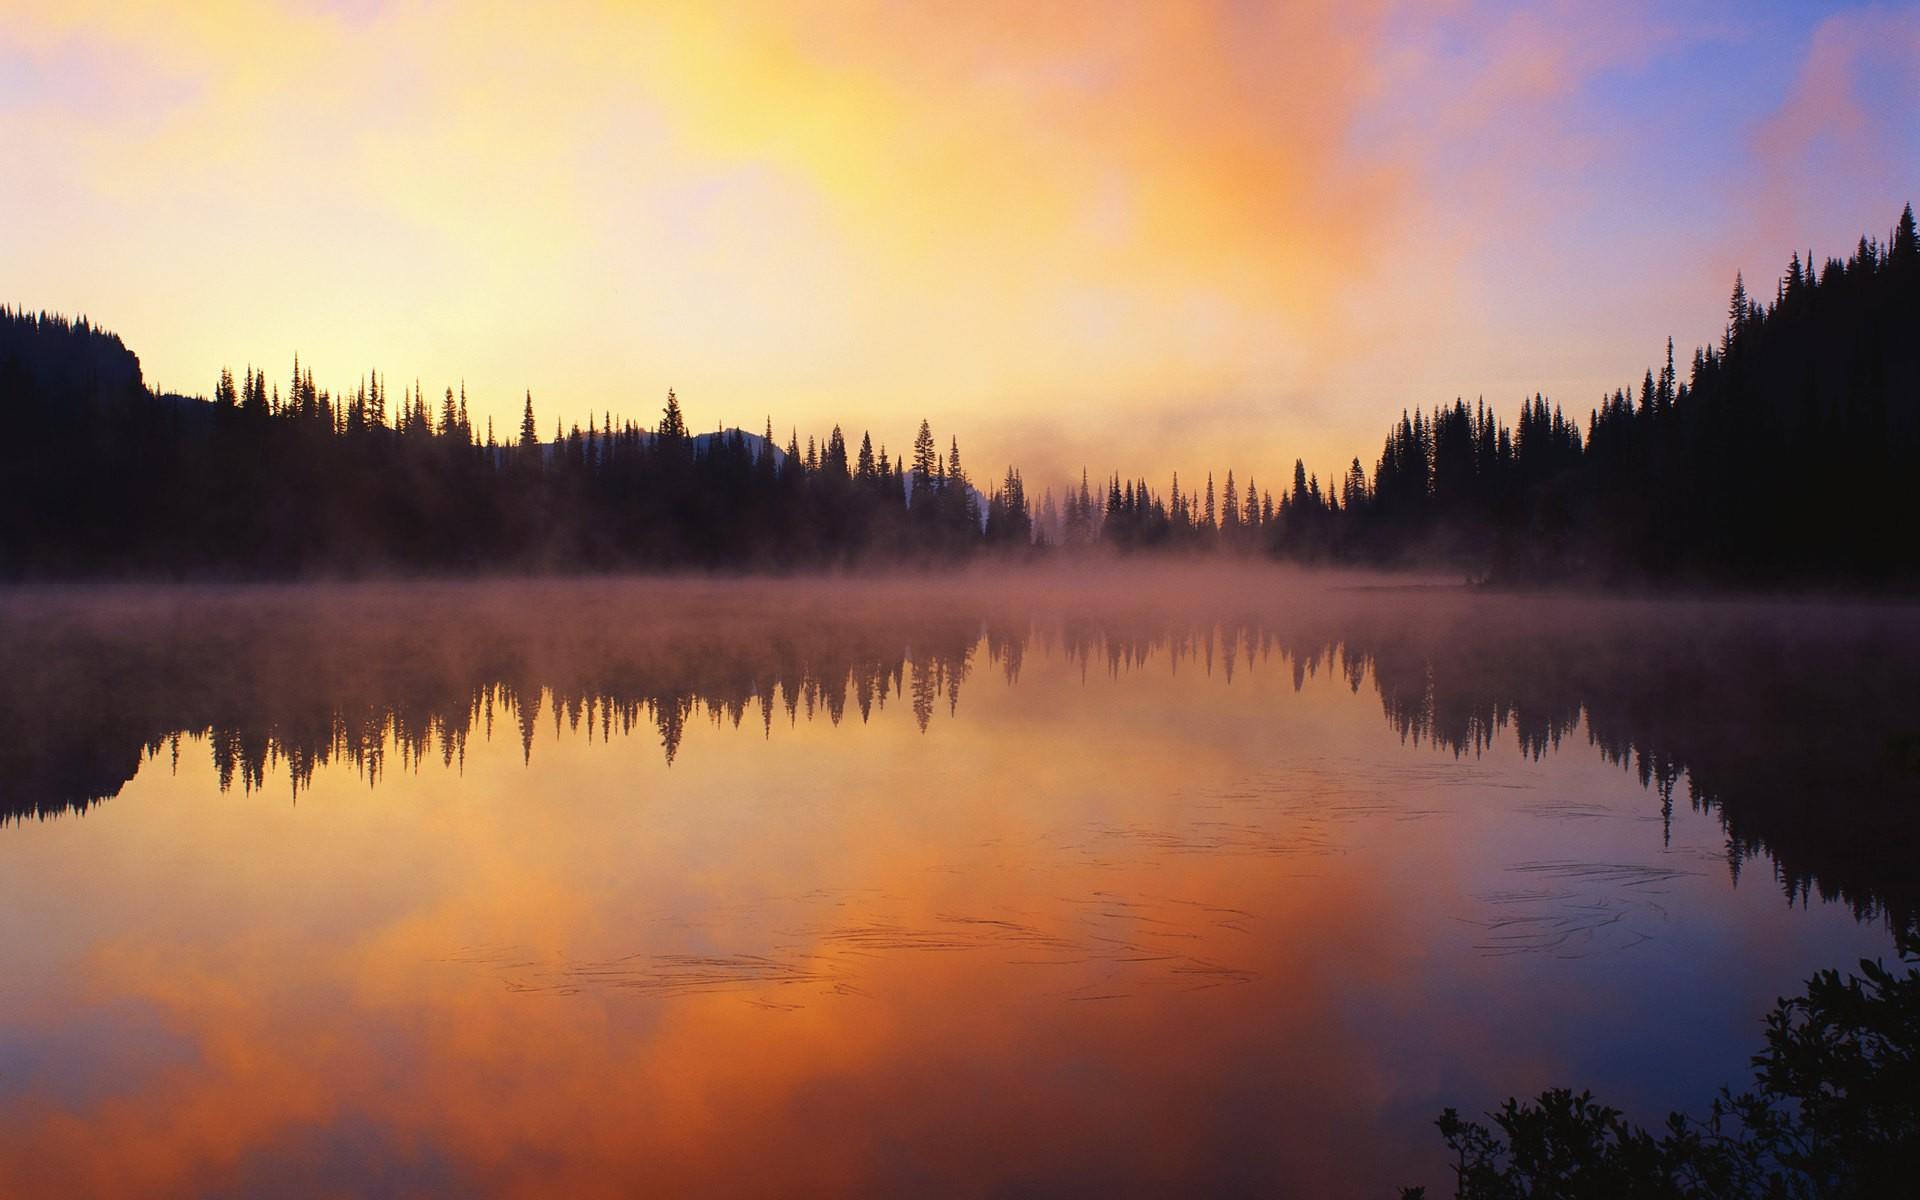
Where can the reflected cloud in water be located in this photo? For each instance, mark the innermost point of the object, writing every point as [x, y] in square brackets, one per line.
[961, 884]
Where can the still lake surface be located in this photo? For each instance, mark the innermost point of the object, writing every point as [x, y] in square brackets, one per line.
[1205, 882]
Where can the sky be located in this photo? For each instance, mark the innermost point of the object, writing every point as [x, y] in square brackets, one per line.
[1138, 237]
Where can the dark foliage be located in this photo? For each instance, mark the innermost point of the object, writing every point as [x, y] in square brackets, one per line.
[1780, 459]
[105, 478]
[1834, 1114]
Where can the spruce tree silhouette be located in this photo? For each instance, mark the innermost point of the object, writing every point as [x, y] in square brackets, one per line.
[1778, 460]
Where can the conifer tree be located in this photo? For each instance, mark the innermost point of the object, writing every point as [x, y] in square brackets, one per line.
[672, 434]
[1904, 246]
[924, 464]
[1738, 308]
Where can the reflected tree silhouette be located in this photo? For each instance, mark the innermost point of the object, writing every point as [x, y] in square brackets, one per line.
[1796, 726]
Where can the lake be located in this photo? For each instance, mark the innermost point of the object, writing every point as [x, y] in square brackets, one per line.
[1176, 881]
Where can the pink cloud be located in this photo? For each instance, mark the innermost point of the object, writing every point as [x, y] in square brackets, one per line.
[1842, 137]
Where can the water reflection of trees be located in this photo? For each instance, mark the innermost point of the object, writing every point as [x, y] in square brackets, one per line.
[1798, 727]
[1803, 740]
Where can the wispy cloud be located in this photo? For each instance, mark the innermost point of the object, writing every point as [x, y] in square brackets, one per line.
[1846, 129]
[1151, 229]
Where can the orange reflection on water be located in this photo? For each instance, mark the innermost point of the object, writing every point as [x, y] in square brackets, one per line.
[1140, 930]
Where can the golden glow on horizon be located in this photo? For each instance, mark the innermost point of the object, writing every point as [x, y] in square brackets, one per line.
[1197, 237]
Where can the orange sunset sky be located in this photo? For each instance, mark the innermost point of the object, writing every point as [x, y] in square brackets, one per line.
[1143, 237]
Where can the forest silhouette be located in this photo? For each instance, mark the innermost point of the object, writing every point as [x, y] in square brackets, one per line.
[277, 683]
[1777, 458]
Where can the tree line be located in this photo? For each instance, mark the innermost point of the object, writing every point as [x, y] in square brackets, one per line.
[1779, 458]
[109, 478]
[1781, 455]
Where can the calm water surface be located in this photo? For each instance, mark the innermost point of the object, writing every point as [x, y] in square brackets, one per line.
[965, 886]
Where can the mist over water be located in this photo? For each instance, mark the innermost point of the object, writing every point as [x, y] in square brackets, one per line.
[1214, 879]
